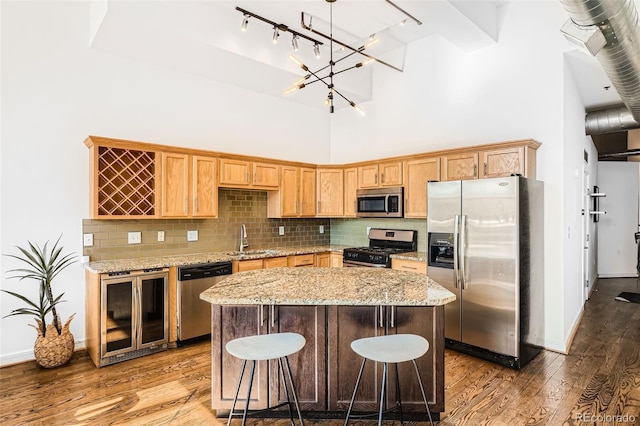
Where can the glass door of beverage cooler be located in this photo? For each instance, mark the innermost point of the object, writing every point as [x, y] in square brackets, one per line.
[118, 316]
[154, 310]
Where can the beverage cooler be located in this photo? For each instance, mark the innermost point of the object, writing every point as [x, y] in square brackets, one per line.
[134, 315]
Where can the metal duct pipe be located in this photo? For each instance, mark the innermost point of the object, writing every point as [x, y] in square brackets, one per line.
[619, 154]
[609, 121]
[617, 21]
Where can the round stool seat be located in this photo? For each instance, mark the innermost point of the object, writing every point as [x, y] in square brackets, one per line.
[266, 346]
[393, 348]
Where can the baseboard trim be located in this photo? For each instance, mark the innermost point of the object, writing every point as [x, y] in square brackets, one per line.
[26, 356]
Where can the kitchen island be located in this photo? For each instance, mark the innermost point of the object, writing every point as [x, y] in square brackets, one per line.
[330, 307]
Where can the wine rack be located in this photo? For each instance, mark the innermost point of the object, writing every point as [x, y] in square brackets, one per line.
[126, 182]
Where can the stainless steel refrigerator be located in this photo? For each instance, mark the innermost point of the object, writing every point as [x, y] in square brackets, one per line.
[485, 244]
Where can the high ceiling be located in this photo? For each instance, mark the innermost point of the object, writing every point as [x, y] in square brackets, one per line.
[204, 37]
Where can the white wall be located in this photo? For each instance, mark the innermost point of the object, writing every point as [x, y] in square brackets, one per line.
[56, 91]
[511, 90]
[617, 251]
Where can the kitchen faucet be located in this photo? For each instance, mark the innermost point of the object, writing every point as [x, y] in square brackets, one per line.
[243, 238]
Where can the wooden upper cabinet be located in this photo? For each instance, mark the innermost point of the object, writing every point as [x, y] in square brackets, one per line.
[266, 175]
[330, 192]
[248, 174]
[460, 166]
[125, 182]
[307, 192]
[175, 185]
[296, 196]
[416, 175]
[189, 187]
[380, 174]
[504, 162]
[350, 191]
[204, 187]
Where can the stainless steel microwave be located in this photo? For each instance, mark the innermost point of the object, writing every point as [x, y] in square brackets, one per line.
[380, 202]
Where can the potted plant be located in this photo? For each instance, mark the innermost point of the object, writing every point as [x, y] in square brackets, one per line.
[54, 344]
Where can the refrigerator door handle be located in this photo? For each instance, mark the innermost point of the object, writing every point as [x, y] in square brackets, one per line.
[456, 245]
[463, 228]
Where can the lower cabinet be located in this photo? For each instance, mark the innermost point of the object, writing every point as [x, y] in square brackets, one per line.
[308, 365]
[347, 323]
[325, 370]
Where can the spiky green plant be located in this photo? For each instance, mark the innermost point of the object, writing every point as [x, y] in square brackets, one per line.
[43, 265]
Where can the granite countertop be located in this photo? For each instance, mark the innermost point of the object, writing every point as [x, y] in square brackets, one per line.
[418, 256]
[118, 265]
[328, 286]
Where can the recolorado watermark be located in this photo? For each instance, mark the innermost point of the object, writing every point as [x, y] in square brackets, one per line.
[606, 418]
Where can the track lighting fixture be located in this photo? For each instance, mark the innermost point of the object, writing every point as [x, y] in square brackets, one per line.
[245, 22]
[313, 76]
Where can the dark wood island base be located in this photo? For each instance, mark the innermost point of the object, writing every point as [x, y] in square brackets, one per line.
[325, 370]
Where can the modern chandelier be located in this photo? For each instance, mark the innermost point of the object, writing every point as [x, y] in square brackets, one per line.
[327, 73]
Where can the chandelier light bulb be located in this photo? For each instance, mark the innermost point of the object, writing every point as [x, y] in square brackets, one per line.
[371, 42]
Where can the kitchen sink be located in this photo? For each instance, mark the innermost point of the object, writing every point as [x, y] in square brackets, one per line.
[249, 252]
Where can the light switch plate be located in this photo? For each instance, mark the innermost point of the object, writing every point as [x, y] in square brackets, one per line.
[192, 235]
[134, 237]
[281, 230]
[160, 236]
[322, 229]
[87, 240]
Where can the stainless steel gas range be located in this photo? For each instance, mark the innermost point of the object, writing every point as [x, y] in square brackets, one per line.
[382, 244]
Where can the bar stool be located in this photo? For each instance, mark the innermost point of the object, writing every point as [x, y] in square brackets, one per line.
[261, 348]
[394, 348]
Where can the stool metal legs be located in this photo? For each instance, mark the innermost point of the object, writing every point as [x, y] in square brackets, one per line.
[382, 391]
[286, 390]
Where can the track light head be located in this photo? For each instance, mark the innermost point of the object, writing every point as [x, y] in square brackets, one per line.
[316, 50]
[294, 42]
[276, 34]
[245, 23]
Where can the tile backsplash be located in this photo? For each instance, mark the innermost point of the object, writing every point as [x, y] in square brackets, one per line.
[235, 207]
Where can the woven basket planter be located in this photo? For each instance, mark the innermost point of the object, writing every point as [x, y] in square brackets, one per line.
[54, 350]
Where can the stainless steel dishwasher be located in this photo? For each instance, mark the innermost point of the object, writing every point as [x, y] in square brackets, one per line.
[194, 314]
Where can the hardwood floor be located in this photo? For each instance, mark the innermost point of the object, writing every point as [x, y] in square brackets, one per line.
[597, 381]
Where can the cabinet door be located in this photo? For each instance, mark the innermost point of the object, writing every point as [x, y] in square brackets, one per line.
[428, 322]
[289, 192]
[307, 192]
[350, 190]
[330, 192]
[266, 175]
[368, 176]
[235, 172]
[417, 173]
[346, 324]
[460, 166]
[231, 322]
[336, 260]
[204, 194]
[323, 260]
[275, 262]
[409, 265]
[175, 185]
[390, 173]
[502, 162]
[308, 366]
